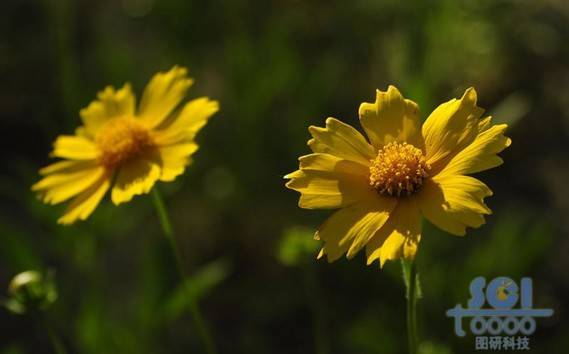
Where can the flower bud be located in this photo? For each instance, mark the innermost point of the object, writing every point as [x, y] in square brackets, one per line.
[31, 291]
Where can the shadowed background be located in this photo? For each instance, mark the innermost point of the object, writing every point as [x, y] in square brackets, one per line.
[277, 67]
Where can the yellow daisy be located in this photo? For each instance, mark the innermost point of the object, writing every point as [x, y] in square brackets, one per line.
[383, 185]
[124, 149]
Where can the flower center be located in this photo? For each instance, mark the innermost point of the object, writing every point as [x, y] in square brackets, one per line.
[398, 169]
[122, 139]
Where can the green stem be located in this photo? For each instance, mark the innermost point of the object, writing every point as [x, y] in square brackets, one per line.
[410, 274]
[57, 344]
[194, 308]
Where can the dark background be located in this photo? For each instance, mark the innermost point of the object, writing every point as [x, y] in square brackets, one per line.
[277, 67]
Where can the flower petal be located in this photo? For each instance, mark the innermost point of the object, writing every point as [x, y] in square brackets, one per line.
[480, 155]
[454, 202]
[110, 104]
[450, 127]
[162, 95]
[391, 118]
[342, 140]
[399, 237]
[135, 177]
[66, 166]
[329, 182]
[74, 148]
[58, 187]
[331, 163]
[349, 229]
[174, 160]
[85, 203]
[324, 190]
[184, 125]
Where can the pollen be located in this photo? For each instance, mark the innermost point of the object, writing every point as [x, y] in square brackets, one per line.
[398, 170]
[122, 139]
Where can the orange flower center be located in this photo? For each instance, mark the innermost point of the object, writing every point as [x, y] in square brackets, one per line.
[122, 139]
[398, 169]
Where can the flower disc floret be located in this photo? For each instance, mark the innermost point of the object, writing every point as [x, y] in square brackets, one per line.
[398, 170]
[121, 140]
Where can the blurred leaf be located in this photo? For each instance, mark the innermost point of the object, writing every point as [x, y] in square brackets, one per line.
[297, 246]
[502, 252]
[13, 349]
[198, 286]
[511, 109]
[433, 348]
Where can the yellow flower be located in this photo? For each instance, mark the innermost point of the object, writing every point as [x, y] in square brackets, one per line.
[124, 149]
[383, 185]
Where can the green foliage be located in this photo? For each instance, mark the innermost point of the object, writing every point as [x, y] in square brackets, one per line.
[276, 67]
[200, 285]
[434, 348]
[297, 246]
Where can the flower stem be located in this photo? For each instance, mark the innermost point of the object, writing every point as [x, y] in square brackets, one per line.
[194, 308]
[58, 347]
[410, 276]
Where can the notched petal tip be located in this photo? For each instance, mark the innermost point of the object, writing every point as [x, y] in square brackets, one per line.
[180, 70]
[36, 186]
[331, 120]
[351, 252]
[470, 95]
[176, 71]
[503, 127]
[214, 105]
[390, 117]
[379, 94]
[393, 90]
[370, 107]
[413, 105]
[313, 128]
[65, 221]
[294, 174]
[289, 182]
[108, 91]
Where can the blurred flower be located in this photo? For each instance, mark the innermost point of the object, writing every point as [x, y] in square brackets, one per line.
[382, 187]
[125, 150]
[31, 291]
